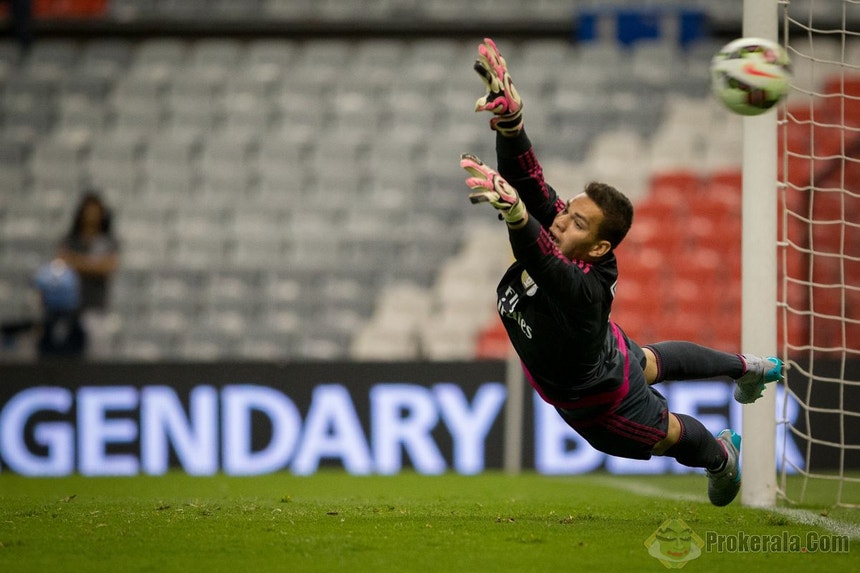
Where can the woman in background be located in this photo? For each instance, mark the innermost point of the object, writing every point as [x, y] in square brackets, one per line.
[91, 249]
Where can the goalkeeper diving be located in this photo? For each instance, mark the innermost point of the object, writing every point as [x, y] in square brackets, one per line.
[555, 302]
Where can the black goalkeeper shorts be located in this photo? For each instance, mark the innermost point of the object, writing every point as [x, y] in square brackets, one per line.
[636, 424]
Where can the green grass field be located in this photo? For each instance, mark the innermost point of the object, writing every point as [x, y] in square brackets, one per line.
[332, 521]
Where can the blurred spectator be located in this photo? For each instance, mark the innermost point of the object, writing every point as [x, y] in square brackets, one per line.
[92, 251]
[60, 289]
[57, 330]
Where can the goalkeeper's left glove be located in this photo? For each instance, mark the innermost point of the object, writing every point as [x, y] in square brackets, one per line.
[490, 187]
[502, 97]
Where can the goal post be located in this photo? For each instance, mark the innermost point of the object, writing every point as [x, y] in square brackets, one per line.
[759, 274]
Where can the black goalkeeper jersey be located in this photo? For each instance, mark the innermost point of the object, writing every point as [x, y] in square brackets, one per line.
[556, 310]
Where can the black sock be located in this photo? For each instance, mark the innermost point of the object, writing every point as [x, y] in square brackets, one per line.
[679, 360]
[697, 448]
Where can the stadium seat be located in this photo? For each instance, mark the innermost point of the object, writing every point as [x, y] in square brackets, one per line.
[160, 51]
[493, 343]
[426, 61]
[51, 59]
[13, 153]
[258, 252]
[10, 56]
[354, 110]
[174, 288]
[93, 88]
[220, 52]
[57, 162]
[24, 221]
[378, 343]
[171, 322]
[267, 345]
[137, 90]
[170, 149]
[125, 10]
[233, 289]
[320, 63]
[199, 253]
[225, 166]
[113, 163]
[104, 58]
[141, 225]
[137, 119]
[324, 346]
[79, 118]
[12, 177]
[288, 8]
[180, 9]
[444, 337]
[22, 256]
[201, 344]
[247, 116]
[127, 292]
[28, 115]
[653, 62]
[142, 344]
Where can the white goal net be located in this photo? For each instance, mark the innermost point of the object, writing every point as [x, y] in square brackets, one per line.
[819, 253]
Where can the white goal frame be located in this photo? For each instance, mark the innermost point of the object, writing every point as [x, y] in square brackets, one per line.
[759, 273]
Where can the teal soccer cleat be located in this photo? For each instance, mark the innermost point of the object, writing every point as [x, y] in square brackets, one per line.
[724, 484]
[759, 371]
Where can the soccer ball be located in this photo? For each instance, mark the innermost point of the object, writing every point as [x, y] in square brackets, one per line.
[750, 75]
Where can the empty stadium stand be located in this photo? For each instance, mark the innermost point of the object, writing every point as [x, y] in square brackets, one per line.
[289, 199]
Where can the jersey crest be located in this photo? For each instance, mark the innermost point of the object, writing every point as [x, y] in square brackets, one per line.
[529, 285]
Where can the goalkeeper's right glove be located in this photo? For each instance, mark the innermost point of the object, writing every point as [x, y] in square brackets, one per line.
[490, 187]
[502, 97]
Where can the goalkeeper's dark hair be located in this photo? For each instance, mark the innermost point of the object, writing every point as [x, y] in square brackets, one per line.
[617, 212]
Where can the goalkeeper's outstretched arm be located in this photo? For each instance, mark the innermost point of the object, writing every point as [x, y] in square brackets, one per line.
[502, 98]
[490, 187]
[516, 159]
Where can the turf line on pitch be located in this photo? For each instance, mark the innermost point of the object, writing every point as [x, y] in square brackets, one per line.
[800, 516]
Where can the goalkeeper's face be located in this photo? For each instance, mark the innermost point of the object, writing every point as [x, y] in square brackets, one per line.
[575, 230]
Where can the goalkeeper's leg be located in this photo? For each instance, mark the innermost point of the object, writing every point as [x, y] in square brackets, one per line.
[679, 360]
[695, 447]
[641, 426]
